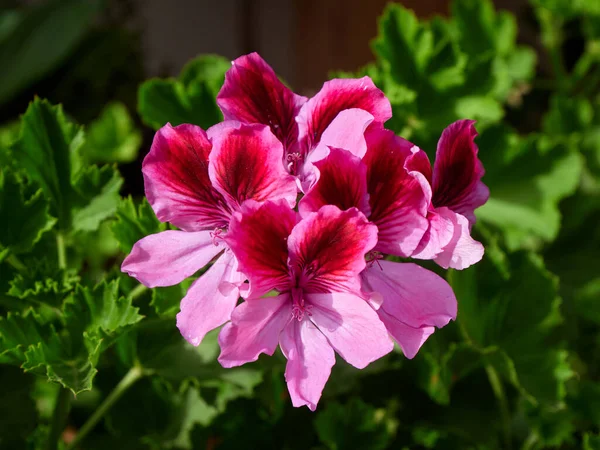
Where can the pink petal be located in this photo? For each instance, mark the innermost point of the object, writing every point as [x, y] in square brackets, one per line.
[252, 93]
[177, 183]
[342, 182]
[438, 235]
[347, 131]
[351, 326]
[409, 339]
[258, 237]
[457, 171]
[327, 249]
[254, 329]
[336, 96]
[398, 202]
[310, 359]
[412, 294]
[245, 163]
[462, 251]
[210, 300]
[167, 258]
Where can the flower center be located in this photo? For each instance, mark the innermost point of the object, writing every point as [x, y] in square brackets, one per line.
[293, 159]
[373, 257]
[299, 308]
[217, 235]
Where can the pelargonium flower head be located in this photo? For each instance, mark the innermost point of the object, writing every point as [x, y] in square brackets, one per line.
[196, 180]
[413, 300]
[314, 265]
[336, 116]
[454, 190]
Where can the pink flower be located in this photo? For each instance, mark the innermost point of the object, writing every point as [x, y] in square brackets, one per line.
[454, 190]
[196, 181]
[336, 116]
[413, 300]
[314, 265]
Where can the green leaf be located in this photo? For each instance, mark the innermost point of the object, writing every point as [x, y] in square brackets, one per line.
[527, 179]
[97, 191]
[39, 39]
[44, 150]
[188, 99]
[166, 300]
[591, 441]
[355, 425]
[112, 137]
[133, 223]
[23, 218]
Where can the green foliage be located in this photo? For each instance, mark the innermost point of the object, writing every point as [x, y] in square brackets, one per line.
[187, 99]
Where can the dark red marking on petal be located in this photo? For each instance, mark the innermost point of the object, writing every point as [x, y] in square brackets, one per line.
[457, 171]
[398, 202]
[258, 237]
[252, 93]
[327, 249]
[336, 96]
[177, 183]
[342, 182]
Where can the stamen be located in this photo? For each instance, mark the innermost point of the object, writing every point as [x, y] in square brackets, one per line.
[216, 235]
[299, 309]
[374, 257]
[293, 159]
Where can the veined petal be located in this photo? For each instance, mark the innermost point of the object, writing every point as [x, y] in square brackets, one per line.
[254, 329]
[351, 326]
[347, 131]
[398, 201]
[176, 179]
[245, 164]
[252, 93]
[457, 171]
[327, 249]
[412, 294]
[258, 237]
[210, 299]
[169, 257]
[462, 251]
[342, 183]
[310, 359]
[336, 96]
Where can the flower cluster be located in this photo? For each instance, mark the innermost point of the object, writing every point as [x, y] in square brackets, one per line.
[313, 274]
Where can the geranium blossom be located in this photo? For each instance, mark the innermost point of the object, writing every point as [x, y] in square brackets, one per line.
[314, 265]
[336, 116]
[195, 181]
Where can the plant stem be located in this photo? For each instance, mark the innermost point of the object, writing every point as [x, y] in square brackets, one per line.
[134, 374]
[14, 261]
[59, 419]
[498, 389]
[62, 251]
[552, 38]
[137, 291]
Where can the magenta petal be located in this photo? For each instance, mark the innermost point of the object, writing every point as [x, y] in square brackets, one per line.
[310, 359]
[210, 300]
[245, 164]
[327, 249]
[457, 171]
[462, 251]
[254, 329]
[252, 93]
[336, 96]
[176, 179]
[398, 202]
[342, 183]
[167, 258]
[408, 338]
[351, 326]
[258, 237]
